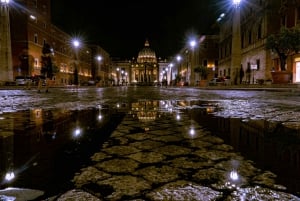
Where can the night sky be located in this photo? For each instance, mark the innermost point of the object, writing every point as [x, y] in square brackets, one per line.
[121, 27]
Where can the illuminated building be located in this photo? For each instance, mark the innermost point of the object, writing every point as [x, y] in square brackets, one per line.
[258, 20]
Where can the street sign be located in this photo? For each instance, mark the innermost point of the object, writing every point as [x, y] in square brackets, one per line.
[253, 67]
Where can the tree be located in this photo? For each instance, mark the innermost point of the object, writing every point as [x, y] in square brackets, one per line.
[178, 78]
[202, 70]
[284, 43]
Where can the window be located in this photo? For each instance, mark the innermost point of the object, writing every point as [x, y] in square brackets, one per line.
[36, 62]
[283, 20]
[35, 38]
[242, 40]
[34, 3]
[216, 62]
[249, 37]
[259, 31]
[258, 63]
[297, 15]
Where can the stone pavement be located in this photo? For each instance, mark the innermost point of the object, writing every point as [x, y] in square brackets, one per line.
[170, 158]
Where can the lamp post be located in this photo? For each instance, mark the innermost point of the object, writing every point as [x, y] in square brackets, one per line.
[236, 43]
[192, 77]
[126, 81]
[76, 45]
[99, 59]
[163, 80]
[122, 76]
[179, 58]
[6, 70]
[118, 76]
[167, 76]
[171, 77]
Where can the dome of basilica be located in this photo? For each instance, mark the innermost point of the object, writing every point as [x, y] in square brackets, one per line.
[146, 54]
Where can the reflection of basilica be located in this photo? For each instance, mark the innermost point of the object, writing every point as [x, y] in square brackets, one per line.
[145, 110]
[145, 69]
[151, 110]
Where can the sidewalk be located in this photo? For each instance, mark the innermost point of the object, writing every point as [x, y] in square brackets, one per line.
[272, 87]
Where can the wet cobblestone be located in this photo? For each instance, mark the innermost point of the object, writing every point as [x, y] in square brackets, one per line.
[162, 159]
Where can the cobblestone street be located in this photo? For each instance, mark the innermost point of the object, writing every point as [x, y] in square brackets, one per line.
[160, 150]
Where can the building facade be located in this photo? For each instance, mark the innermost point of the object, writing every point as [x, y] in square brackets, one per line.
[31, 29]
[258, 19]
[204, 54]
[145, 70]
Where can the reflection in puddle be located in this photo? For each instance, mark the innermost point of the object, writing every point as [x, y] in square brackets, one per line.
[271, 145]
[144, 148]
[42, 149]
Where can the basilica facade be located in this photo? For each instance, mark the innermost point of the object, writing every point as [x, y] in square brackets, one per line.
[145, 70]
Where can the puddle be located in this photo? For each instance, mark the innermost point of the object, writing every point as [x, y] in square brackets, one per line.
[147, 150]
[43, 149]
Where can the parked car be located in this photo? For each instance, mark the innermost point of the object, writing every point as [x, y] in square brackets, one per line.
[23, 80]
[216, 81]
[91, 83]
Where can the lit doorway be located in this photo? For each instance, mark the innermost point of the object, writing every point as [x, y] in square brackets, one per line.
[298, 71]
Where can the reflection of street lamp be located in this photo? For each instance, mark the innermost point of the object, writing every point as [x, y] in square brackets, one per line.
[236, 43]
[192, 79]
[76, 45]
[6, 70]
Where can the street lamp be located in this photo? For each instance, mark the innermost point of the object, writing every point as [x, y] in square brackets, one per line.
[122, 76]
[126, 81]
[171, 77]
[118, 76]
[179, 58]
[76, 45]
[99, 59]
[6, 69]
[192, 79]
[236, 43]
[167, 76]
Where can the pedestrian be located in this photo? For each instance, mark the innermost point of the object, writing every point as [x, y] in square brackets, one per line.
[241, 75]
[248, 74]
[46, 69]
[28, 84]
[40, 84]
